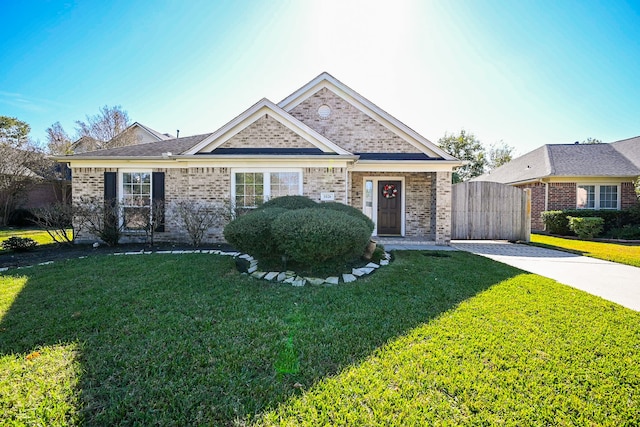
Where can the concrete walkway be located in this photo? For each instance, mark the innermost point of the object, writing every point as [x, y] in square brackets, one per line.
[612, 281]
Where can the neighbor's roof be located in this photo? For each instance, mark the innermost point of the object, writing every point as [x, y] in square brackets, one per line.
[149, 149]
[598, 160]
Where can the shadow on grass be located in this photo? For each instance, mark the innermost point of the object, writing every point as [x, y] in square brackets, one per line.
[166, 339]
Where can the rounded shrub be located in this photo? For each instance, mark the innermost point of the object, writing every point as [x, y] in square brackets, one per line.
[313, 236]
[289, 202]
[251, 233]
[349, 210]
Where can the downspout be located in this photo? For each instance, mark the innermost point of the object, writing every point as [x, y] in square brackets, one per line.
[546, 194]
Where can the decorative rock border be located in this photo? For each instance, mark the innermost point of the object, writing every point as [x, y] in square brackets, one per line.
[288, 277]
[291, 277]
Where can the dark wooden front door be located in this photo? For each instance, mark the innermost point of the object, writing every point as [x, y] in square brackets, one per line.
[389, 208]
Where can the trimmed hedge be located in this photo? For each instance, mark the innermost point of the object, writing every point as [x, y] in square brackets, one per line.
[556, 222]
[349, 210]
[251, 233]
[312, 236]
[289, 202]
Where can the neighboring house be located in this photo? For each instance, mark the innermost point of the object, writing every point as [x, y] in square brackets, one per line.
[137, 133]
[324, 141]
[574, 176]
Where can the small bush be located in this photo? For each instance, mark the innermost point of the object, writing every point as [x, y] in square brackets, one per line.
[251, 233]
[628, 232]
[19, 244]
[556, 222]
[587, 227]
[349, 210]
[313, 236]
[289, 202]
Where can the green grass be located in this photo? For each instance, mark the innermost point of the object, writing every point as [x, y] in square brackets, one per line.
[40, 236]
[616, 252]
[185, 340]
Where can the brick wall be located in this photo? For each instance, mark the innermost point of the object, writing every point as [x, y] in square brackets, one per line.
[628, 195]
[562, 195]
[267, 132]
[537, 203]
[320, 180]
[349, 127]
[418, 190]
[443, 208]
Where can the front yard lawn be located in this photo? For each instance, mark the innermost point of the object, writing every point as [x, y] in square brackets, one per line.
[40, 236]
[186, 340]
[617, 252]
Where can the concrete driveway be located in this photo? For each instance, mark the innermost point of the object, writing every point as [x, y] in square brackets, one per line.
[614, 282]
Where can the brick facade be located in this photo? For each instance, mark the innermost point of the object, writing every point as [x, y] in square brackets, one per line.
[321, 180]
[562, 195]
[628, 196]
[537, 203]
[443, 208]
[267, 132]
[349, 127]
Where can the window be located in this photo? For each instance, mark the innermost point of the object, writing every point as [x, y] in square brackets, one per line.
[251, 189]
[586, 196]
[608, 197]
[136, 200]
[597, 197]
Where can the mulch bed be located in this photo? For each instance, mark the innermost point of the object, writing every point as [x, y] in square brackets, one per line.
[46, 253]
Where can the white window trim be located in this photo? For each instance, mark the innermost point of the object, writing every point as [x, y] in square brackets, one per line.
[597, 186]
[120, 193]
[374, 207]
[266, 182]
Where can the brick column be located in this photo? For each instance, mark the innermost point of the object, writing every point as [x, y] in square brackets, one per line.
[443, 208]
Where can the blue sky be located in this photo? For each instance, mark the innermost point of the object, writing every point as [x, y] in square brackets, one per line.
[523, 72]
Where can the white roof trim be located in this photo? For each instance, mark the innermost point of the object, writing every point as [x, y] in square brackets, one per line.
[154, 133]
[262, 107]
[326, 80]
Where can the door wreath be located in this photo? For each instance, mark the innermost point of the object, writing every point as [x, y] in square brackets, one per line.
[389, 191]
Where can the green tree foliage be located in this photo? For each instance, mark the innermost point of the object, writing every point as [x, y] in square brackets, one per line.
[499, 154]
[13, 132]
[591, 140]
[466, 147]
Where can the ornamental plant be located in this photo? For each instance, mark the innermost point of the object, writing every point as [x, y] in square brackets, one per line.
[586, 227]
[251, 233]
[313, 236]
[19, 244]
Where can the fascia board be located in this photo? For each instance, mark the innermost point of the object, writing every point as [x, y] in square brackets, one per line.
[264, 106]
[325, 80]
[405, 166]
[213, 161]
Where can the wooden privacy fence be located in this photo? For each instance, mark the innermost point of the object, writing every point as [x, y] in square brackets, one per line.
[490, 210]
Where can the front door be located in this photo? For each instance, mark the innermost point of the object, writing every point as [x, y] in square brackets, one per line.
[389, 208]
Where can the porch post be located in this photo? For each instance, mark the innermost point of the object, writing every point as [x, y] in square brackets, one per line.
[443, 208]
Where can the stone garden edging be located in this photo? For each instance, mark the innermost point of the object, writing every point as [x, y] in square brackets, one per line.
[288, 277]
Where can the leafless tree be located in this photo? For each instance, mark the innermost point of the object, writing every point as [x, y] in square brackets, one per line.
[21, 164]
[57, 220]
[106, 125]
[58, 141]
[197, 217]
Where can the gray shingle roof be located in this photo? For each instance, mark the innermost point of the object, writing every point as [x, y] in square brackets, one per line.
[150, 149]
[620, 158]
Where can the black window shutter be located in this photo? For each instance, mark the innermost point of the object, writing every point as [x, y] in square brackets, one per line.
[110, 198]
[110, 187]
[157, 198]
